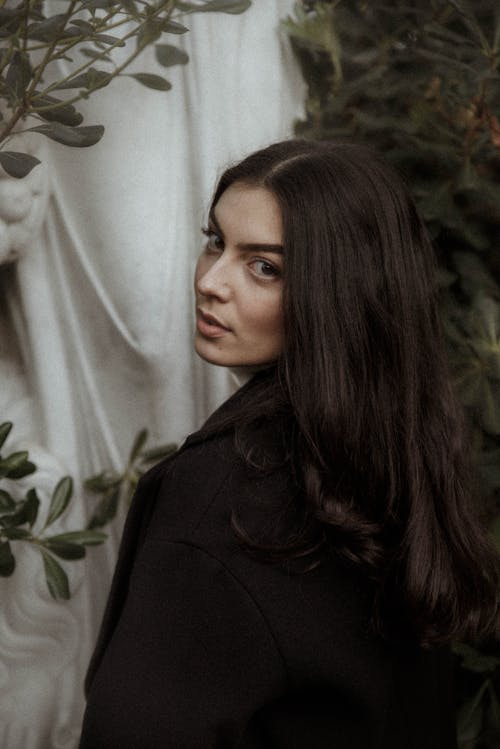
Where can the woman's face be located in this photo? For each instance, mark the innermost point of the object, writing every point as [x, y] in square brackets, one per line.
[238, 280]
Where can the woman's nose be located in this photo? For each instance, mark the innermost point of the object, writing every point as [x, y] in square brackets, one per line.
[213, 279]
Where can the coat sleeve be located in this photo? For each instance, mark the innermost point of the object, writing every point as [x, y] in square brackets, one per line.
[190, 661]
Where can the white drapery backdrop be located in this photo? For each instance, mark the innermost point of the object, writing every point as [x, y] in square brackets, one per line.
[97, 326]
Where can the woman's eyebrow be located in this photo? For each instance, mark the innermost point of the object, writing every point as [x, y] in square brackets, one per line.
[247, 246]
[258, 247]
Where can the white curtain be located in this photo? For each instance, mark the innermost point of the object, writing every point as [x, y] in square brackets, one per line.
[98, 325]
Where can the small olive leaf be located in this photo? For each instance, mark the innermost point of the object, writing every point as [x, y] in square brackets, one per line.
[7, 425]
[102, 482]
[17, 164]
[10, 20]
[106, 510]
[139, 442]
[150, 80]
[57, 580]
[16, 534]
[95, 54]
[19, 74]
[85, 538]
[45, 106]
[91, 79]
[131, 8]
[168, 55]
[130, 491]
[215, 6]
[7, 561]
[78, 137]
[71, 33]
[150, 32]
[474, 660]
[18, 517]
[98, 4]
[65, 550]
[474, 274]
[7, 504]
[108, 39]
[13, 461]
[157, 453]
[85, 26]
[174, 27]
[60, 499]
[48, 29]
[31, 507]
[24, 470]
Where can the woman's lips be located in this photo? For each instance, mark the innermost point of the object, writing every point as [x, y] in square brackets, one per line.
[209, 326]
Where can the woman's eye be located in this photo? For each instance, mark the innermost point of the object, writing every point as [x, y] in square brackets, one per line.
[214, 242]
[263, 268]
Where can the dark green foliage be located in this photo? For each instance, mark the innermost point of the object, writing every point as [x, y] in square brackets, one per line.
[19, 516]
[113, 487]
[33, 41]
[421, 82]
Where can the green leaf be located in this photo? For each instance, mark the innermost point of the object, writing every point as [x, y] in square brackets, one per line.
[17, 164]
[65, 550]
[18, 517]
[157, 453]
[150, 80]
[85, 538]
[174, 27]
[139, 442]
[7, 561]
[7, 504]
[212, 6]
[48, 29]
[99, 4]
[150, 32]
[102, 482]
[12, 462]
[106, 510]
[85, 26]
[168, 55]
[10, 20]
[474, 660]
[115, 41]
[57, 580]
[31, 507]
[6, 426]
[95, 54]
[77, 137]
[60, 499]
[16, 534]
[91, 79]
[131, 8]
[19, 75]
[25, 470]
[66, 114]
[474, 274]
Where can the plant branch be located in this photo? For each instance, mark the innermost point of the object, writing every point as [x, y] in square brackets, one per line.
[114, 74]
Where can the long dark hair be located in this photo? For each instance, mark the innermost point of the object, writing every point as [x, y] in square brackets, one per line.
[380, 438]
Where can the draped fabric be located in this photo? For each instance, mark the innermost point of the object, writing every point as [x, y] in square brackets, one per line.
[98, 322]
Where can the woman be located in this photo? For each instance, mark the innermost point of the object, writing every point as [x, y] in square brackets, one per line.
[293, 575]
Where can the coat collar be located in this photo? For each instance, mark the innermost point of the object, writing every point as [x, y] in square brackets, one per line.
[229, 407]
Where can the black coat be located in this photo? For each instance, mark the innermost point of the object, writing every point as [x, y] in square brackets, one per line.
[202, 645]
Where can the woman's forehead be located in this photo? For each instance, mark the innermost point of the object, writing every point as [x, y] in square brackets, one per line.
[250, 213]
